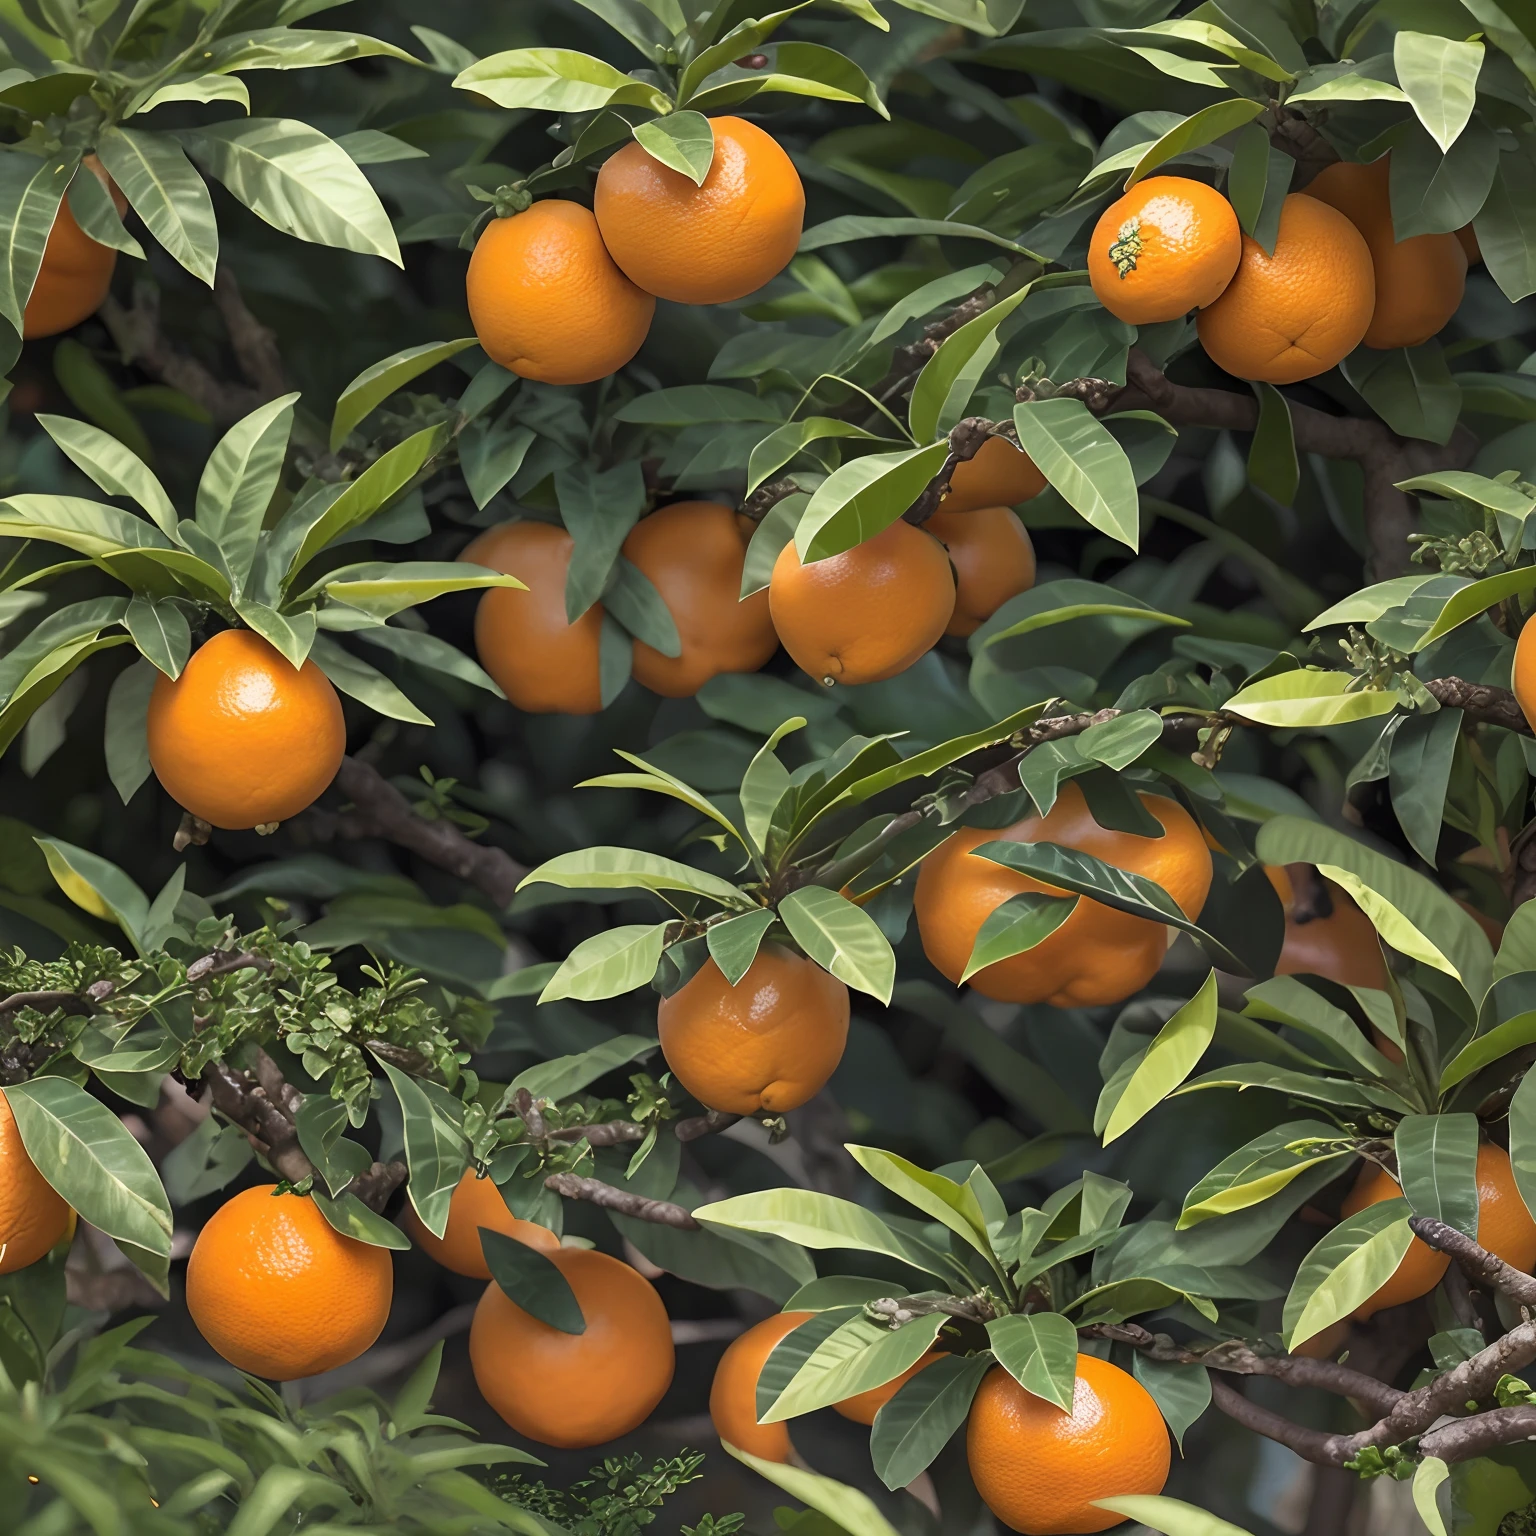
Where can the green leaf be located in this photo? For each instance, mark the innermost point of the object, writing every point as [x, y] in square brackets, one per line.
[349, 1216]
[660, 782]
[785, 442]
[841, 938]
[1313, 697]
[599, 510]
[1346, 1269]
[383, 589]
[1485, 1049]
[1119, 742]
[864, 497]
[1411, 389]
[860, 1355]
[1204, 127]
[1468, 602]
[490, 453]
[116, 469]
[633, 600]
[355, 678]
[161, 632]
[96, 885]
[556, 80]
[91, 1158]
[1422, 753]
[1506, 225]
[376, 383]
[1172, 1517]
[1019, 924]
[1439, 76]
[681, 141]
[1039, 1350]
[296, 179]
[430, 652]
[240, 479]
[1288, 1001]
[533, 1281]
[733, 944]
[1182, 1392]
[764, 785]
[31, 190]
[768, 541]
[609, 964]
[562, 1076]
[1272, 464]
[921, 1419]
[950, 376]
[1370, 603]
[1522, 1139]
[1076, 452]
[820, 1221]
[96, 214]
[319, 1123]
[436, 1152]
[688, 405]
[952, 1205]
[126, 733]
[1261, 1169]
[1437, 1167]
[165, 191]
[621, 869]
[1174, 1053]
[849, 1510]
[199, 88]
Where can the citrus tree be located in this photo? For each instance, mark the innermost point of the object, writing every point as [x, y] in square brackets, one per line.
[821, 709]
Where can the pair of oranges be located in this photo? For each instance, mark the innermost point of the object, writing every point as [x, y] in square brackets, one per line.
[565, 294]
[1338, 275]
[858, 617]
[1038, 1468]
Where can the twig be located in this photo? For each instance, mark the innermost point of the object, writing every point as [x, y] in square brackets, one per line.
[966, 440]
[1480, 1266]
[695, 1126]
[1466, 1438]
[1313, 1445]
[897, 1310]
[223, 962]
[380, 810]
[612, 1133]
[663, 1212]
[1488, 706]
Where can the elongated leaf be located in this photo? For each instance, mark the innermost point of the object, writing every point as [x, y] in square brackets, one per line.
[949, 376]
[1310, 696]
[436, 1152]
[383, 590]
[864, 497]
[1346, 1268]
[349, 1216]
[1439, 76]
[920, 1420]
[1204, 127]
[355, 678]
[1485, 1049]
[376, 383]
[859, 1356]
[1437, 1167]
[620, 869]
[556, 80]
[681, 141]
[298, 180]
[1019, 924]
[116, 469]
[165, 191]
[764, 783]
[96, 884]
[562, 1076]
[858, 226]
[1172, 1517]
[1262, 1168]
[239, 480]
[1080, 457]
[1039, 1350]
[608, 964]
[1173, 1055]
[1522, 1139]
[161, 632]
[846, 1508]
[533, 1281]
[733, 944]
[1182, 1392]
[91, 1158]
[953, 1205]
[31, 190]
[841, 938]
[126, 734]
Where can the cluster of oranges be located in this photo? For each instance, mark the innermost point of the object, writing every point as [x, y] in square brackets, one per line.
[858, 617]
[1338, 275]
[565, 294]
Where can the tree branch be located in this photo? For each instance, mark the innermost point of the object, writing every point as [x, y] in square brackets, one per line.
[1314, 1445]
[1465, 1438]
[1480, 1266]
[663, 1212]
[612, 1133]
[1487, 706]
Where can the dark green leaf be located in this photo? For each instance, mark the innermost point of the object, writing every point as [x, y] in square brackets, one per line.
[1019, 924]
[733, 944]
[165, 191]
[1437, 1167]
[533, 1281]
[681, 141]
[1039, 1350]
[920, 1420]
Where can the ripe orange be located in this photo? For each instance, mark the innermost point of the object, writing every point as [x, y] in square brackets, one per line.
[542, 663]
[476, 1203]
[576, 1389]
[708, 244]
[868, 613]
[768, 1043]
[1419, 281]
[242, 738]
[1297, 313]
[1523, 673]
[1342, 947]
[546, 300]
[33, 1216]
[863, 1406]
[999, 475]
[1098, 955]
[1039, 1470]
[693, 552]
[1504, 1227]
[1168, 246]
[733, 1393]
[76, 272]
[993, 558]
[278, 1292]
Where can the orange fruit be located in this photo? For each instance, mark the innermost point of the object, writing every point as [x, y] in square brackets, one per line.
[546, 300]
[1168, 246]
[999, 475]
[733, 1393]
[768, 1043]
[278, 1292]
[863, 1406]
[76, 271]
[1419, 281]
[476, 1203]
[693, 553]
[243, 738]
[576, 1389]
[1467, 235]
[1098, 955]
[33, 1216]
[993, 558]
[1325, 1345]
[868, 613]
[1342, 947]
[1297, 313]
[1421, 1267]
[1039, 1469]
[1523, 673]
[703, 244]
[542, 663]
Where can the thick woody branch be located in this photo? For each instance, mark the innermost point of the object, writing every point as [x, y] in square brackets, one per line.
[966, 440]
[663, 1212]
[1314, 1445]
[1463, 1439]
[612, 1133]
[1479, 1266]
[1487, 706]
[380, 810]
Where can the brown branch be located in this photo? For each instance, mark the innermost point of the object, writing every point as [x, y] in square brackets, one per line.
[663, 1212]
[1476, 1436]
[612, 1133]
[1314, 1445]
[908, 361]
[244, 1102]
[695, 1126]
[897, 1310]
[966, 440]
[223, 962]
[1487, 706]
[380, 810]
[767, 496]
[255, 345]
[376, 1186]
[1479, 1266]
[45, 1002]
